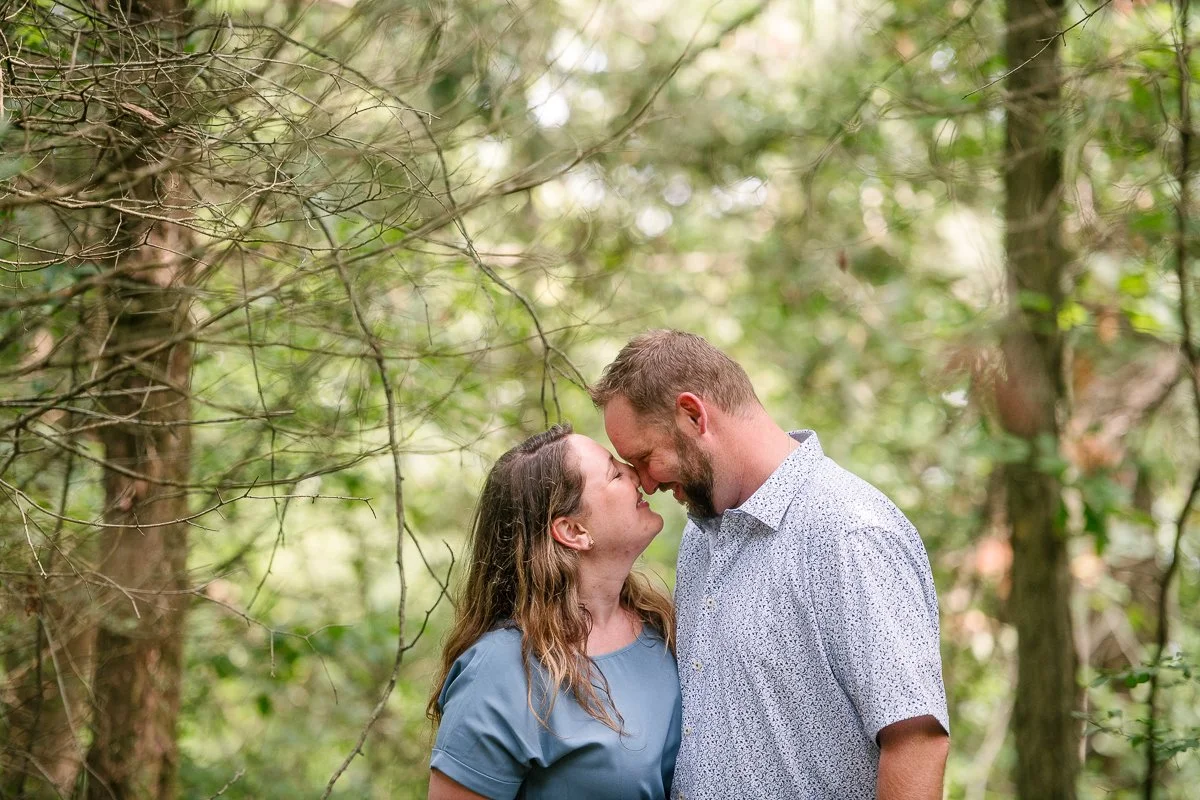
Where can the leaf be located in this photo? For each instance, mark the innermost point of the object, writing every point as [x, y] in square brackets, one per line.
[224, 667]
[1072, 315]
[1034, 301]
[1095, 522]
[1136, 677]
[1134, 285]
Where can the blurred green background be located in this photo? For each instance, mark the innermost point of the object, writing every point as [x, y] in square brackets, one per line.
[814, 185]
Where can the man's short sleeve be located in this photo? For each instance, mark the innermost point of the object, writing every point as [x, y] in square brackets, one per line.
[874, 594]
[488, 737]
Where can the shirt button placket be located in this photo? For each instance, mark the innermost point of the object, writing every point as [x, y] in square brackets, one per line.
[706, 623]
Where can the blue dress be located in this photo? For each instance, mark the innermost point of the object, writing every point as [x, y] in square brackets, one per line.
[490, 742]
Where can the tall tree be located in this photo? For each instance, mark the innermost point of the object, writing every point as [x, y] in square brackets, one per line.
[1030, 396]
[147, 454]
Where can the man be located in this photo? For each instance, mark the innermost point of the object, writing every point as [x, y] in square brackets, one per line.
[807, 617]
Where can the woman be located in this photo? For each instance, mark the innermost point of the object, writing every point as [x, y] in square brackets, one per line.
[558, 678]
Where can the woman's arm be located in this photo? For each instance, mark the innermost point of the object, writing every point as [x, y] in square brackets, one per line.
[443, 788]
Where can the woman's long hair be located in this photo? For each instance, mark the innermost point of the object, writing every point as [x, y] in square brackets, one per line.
[519, 575]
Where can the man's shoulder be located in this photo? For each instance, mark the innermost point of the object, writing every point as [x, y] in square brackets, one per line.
[837, 501]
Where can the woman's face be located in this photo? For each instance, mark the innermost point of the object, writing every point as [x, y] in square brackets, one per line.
[614, 511]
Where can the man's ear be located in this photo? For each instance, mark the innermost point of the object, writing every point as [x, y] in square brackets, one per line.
[569, 533]
[691, 413]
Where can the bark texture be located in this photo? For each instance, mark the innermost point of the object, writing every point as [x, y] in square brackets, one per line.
[143, 555]
[139, 647]
[47, 696]
[1029, 399]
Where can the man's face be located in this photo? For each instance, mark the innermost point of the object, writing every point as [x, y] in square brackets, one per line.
[663, 455]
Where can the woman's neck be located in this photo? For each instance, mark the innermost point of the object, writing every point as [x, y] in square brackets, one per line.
[613, 627]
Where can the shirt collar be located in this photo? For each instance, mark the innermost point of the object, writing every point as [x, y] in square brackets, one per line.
[770, 501]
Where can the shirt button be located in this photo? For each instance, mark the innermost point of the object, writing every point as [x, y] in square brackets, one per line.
[697, 665]
[710, 602]
[687, 730]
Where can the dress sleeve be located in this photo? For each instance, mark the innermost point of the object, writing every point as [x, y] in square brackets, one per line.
[879, 624]
[488, 737]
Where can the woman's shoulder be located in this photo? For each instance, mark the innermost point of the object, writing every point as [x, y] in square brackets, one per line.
[496, 655]
[491, 667]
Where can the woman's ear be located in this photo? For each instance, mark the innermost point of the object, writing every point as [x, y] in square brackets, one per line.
[569, 533]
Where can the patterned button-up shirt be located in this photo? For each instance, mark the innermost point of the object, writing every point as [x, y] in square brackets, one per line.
[808, 622]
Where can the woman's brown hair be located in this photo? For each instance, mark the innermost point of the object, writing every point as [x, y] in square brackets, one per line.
[520, 576]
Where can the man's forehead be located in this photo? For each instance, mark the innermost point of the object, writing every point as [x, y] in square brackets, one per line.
[621, 419]
[632, 434]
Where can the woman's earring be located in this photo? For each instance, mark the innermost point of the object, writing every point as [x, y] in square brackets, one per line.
[591, 542]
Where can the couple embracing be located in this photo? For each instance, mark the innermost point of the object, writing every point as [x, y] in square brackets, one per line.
[799, 660]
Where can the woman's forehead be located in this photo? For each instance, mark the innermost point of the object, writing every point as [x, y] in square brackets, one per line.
[591, 453]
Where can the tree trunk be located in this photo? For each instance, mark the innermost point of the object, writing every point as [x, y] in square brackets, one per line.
[143, 555]
[1029, 395]
[140, 641]
[48, 690]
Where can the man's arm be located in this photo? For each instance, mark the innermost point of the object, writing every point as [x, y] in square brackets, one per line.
[912, 760]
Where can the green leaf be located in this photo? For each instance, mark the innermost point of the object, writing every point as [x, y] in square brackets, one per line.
[1155, 221]
[1095, 522]
[1034, 301]
[1134, 285]
[224, 667]
[1072, 315]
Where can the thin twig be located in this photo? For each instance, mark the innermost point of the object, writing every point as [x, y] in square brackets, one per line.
[398, 491]
[236, 777]
[1045, 46]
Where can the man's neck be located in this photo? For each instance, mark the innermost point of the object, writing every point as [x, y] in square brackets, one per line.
[760, 446]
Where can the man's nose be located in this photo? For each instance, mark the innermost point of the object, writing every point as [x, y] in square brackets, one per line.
[649, 485]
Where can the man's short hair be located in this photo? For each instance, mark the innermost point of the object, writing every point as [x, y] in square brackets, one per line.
[655, 367]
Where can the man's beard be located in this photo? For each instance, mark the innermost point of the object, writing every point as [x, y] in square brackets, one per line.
[695, 477]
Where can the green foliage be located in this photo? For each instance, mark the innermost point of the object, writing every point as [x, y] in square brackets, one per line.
[816, 190]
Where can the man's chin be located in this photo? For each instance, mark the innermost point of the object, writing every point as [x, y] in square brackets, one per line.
[699, 508]
[696, 507]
